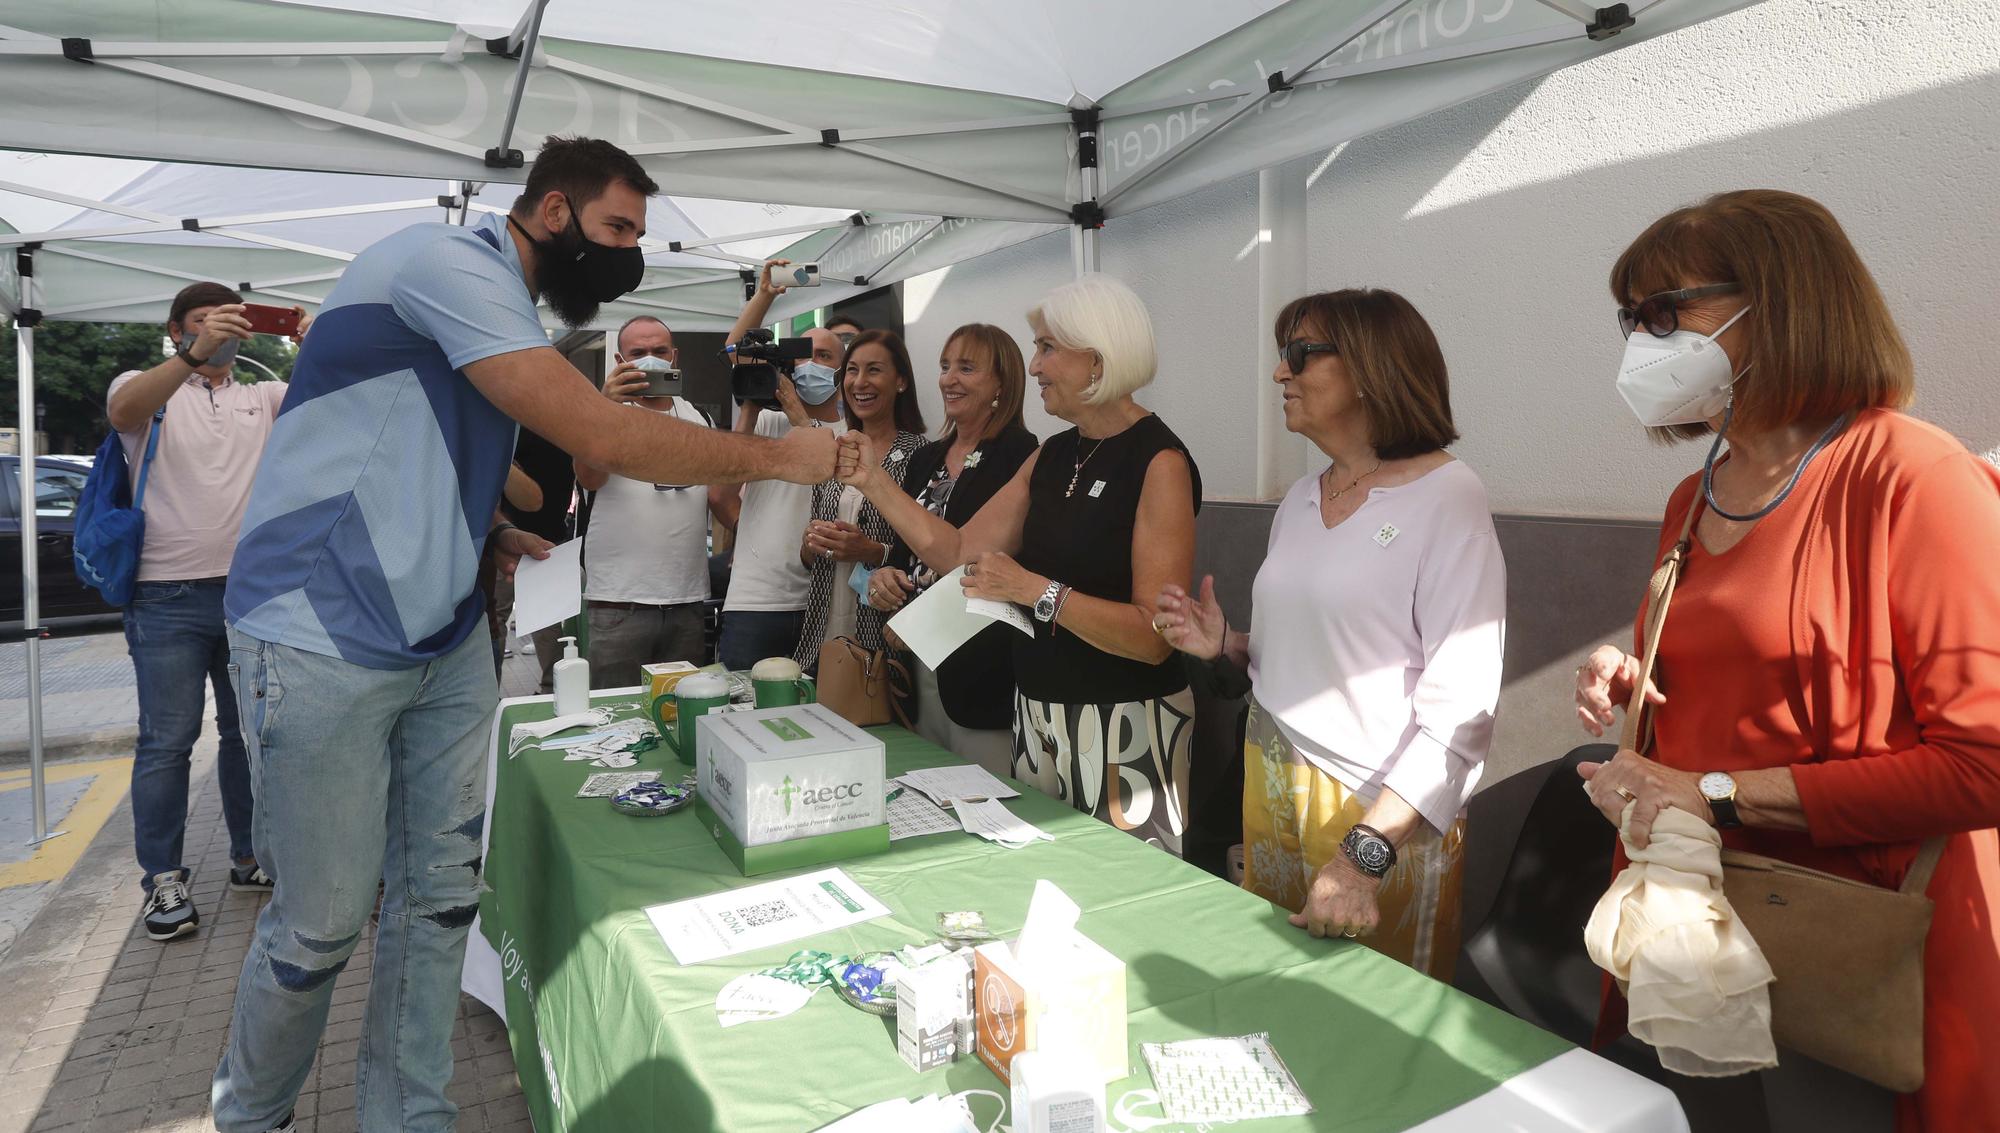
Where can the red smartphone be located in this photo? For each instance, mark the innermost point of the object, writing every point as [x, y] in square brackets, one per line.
[281, 321]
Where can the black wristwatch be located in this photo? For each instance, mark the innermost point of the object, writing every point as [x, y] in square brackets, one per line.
[1370, 852]
[193, 362]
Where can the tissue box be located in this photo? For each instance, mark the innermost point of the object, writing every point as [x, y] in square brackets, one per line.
[1079, 1001]
[1053, 1094]
[659, 681]
[929, 1003]
[781, 788]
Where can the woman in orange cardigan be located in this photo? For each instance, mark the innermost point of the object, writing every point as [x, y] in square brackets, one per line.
[1828, 683]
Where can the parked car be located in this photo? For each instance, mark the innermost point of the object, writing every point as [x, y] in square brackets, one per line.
[65, 601]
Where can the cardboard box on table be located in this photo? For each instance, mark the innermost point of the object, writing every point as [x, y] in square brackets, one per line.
[1062, 991]
[781, 788]
[659, 680]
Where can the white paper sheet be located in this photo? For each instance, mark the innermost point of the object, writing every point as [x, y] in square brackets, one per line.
[758, 916]
[937, 622]
[948, 784]
[990, 819]
[1006, 612]
[548, 590]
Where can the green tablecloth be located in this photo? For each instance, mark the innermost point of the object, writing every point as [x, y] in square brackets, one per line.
[609, 1033]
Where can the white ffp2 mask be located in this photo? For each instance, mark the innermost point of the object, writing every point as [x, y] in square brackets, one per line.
[1681, 379]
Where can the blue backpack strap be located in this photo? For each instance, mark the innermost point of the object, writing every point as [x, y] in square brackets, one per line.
[146, 463]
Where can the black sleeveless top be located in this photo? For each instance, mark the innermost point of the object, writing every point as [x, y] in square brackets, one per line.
[1084, 540]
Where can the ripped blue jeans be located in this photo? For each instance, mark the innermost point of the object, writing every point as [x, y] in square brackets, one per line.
[358, 774]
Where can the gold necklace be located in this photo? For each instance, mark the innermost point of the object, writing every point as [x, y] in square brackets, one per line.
[1332, 495]
[1078, 470]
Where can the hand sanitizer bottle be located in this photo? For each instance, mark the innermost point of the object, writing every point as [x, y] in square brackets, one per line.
[572, 681]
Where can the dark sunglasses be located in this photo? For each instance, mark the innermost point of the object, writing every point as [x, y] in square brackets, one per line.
[1297, 351]
[1661, 314]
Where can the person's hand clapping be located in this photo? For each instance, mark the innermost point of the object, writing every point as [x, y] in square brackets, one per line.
[1193, 626]
[626, 383]
[1604, 682]
[841, 541]
[222, 324]
[889, 589]
[997, 576]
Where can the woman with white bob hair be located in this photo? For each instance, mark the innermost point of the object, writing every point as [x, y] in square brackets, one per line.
[1090, 530]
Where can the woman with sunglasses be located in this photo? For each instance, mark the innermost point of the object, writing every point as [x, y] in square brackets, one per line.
[1083, 536]
[1824, 690]
[1373, 652]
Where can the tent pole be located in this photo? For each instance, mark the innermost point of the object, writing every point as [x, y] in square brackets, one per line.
[1281, 277]
[31, 613]
[504, 156]
[1087, 216]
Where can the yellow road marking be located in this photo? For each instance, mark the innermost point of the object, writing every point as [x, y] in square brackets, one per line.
[53, 859]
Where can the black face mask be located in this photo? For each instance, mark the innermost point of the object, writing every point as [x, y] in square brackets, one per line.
[577, 274]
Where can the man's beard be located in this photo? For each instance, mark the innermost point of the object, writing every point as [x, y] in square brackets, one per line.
[560, 280]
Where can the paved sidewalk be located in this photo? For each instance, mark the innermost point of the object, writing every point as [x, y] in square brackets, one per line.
[88, 703]
[107, 1030]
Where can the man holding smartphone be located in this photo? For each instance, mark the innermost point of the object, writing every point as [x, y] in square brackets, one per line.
[212, 431]
[356, 622]
[645, 556]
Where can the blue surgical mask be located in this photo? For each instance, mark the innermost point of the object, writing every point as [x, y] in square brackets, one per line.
[224, 355]
[814, 382]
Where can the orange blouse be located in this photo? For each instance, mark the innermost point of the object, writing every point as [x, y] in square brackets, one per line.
[1853, 635]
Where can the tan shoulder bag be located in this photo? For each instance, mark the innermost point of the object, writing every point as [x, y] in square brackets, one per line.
[1848, 956]
[864, 687]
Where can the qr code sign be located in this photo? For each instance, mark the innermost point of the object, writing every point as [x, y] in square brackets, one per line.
[766, 913]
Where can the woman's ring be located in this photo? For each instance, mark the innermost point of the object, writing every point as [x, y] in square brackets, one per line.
[1348, 933]
[1625, 793]
[1157, 627]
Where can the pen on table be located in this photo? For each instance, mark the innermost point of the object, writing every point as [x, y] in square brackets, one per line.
[894, 795]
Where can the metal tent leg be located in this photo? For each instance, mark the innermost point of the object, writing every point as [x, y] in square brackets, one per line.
[31, 613]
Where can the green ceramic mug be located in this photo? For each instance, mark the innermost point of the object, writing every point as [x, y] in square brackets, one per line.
[694, 697]
[779, 683]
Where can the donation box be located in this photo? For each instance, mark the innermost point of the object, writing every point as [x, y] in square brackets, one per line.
[781, 788]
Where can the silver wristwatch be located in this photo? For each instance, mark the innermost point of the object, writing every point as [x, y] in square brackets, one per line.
[1045, 606]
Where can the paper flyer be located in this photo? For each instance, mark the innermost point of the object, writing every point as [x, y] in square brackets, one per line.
[758, 916]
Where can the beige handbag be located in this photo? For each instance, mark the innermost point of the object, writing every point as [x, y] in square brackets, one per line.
[1848, 956]
[863, 686]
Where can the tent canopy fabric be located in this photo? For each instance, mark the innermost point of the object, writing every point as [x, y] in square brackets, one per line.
[952, 129]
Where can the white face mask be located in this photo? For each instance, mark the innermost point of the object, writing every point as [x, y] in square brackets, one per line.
[1681, 379]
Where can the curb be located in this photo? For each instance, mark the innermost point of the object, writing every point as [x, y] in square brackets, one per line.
[73, 745]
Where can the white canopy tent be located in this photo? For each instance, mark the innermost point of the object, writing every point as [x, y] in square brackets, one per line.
[928, 132]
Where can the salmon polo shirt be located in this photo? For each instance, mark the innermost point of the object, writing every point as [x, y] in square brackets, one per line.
[211, 438]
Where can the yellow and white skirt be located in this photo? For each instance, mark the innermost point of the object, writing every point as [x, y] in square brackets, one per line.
[1294, 816]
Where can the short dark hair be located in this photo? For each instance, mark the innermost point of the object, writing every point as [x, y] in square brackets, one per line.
[909, 414]
[618, 340]
[833, 321]
[580, 169]
[198, 295]
[1393, 360]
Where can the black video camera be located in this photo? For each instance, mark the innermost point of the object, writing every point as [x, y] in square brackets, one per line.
[758, 359]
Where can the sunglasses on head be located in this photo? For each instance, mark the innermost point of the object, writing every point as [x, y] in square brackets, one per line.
[1298, 351]
[1661, 314]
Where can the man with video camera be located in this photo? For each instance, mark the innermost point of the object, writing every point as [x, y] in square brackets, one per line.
[764, 611]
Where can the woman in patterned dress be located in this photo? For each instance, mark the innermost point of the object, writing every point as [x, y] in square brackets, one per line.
[879, 391]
